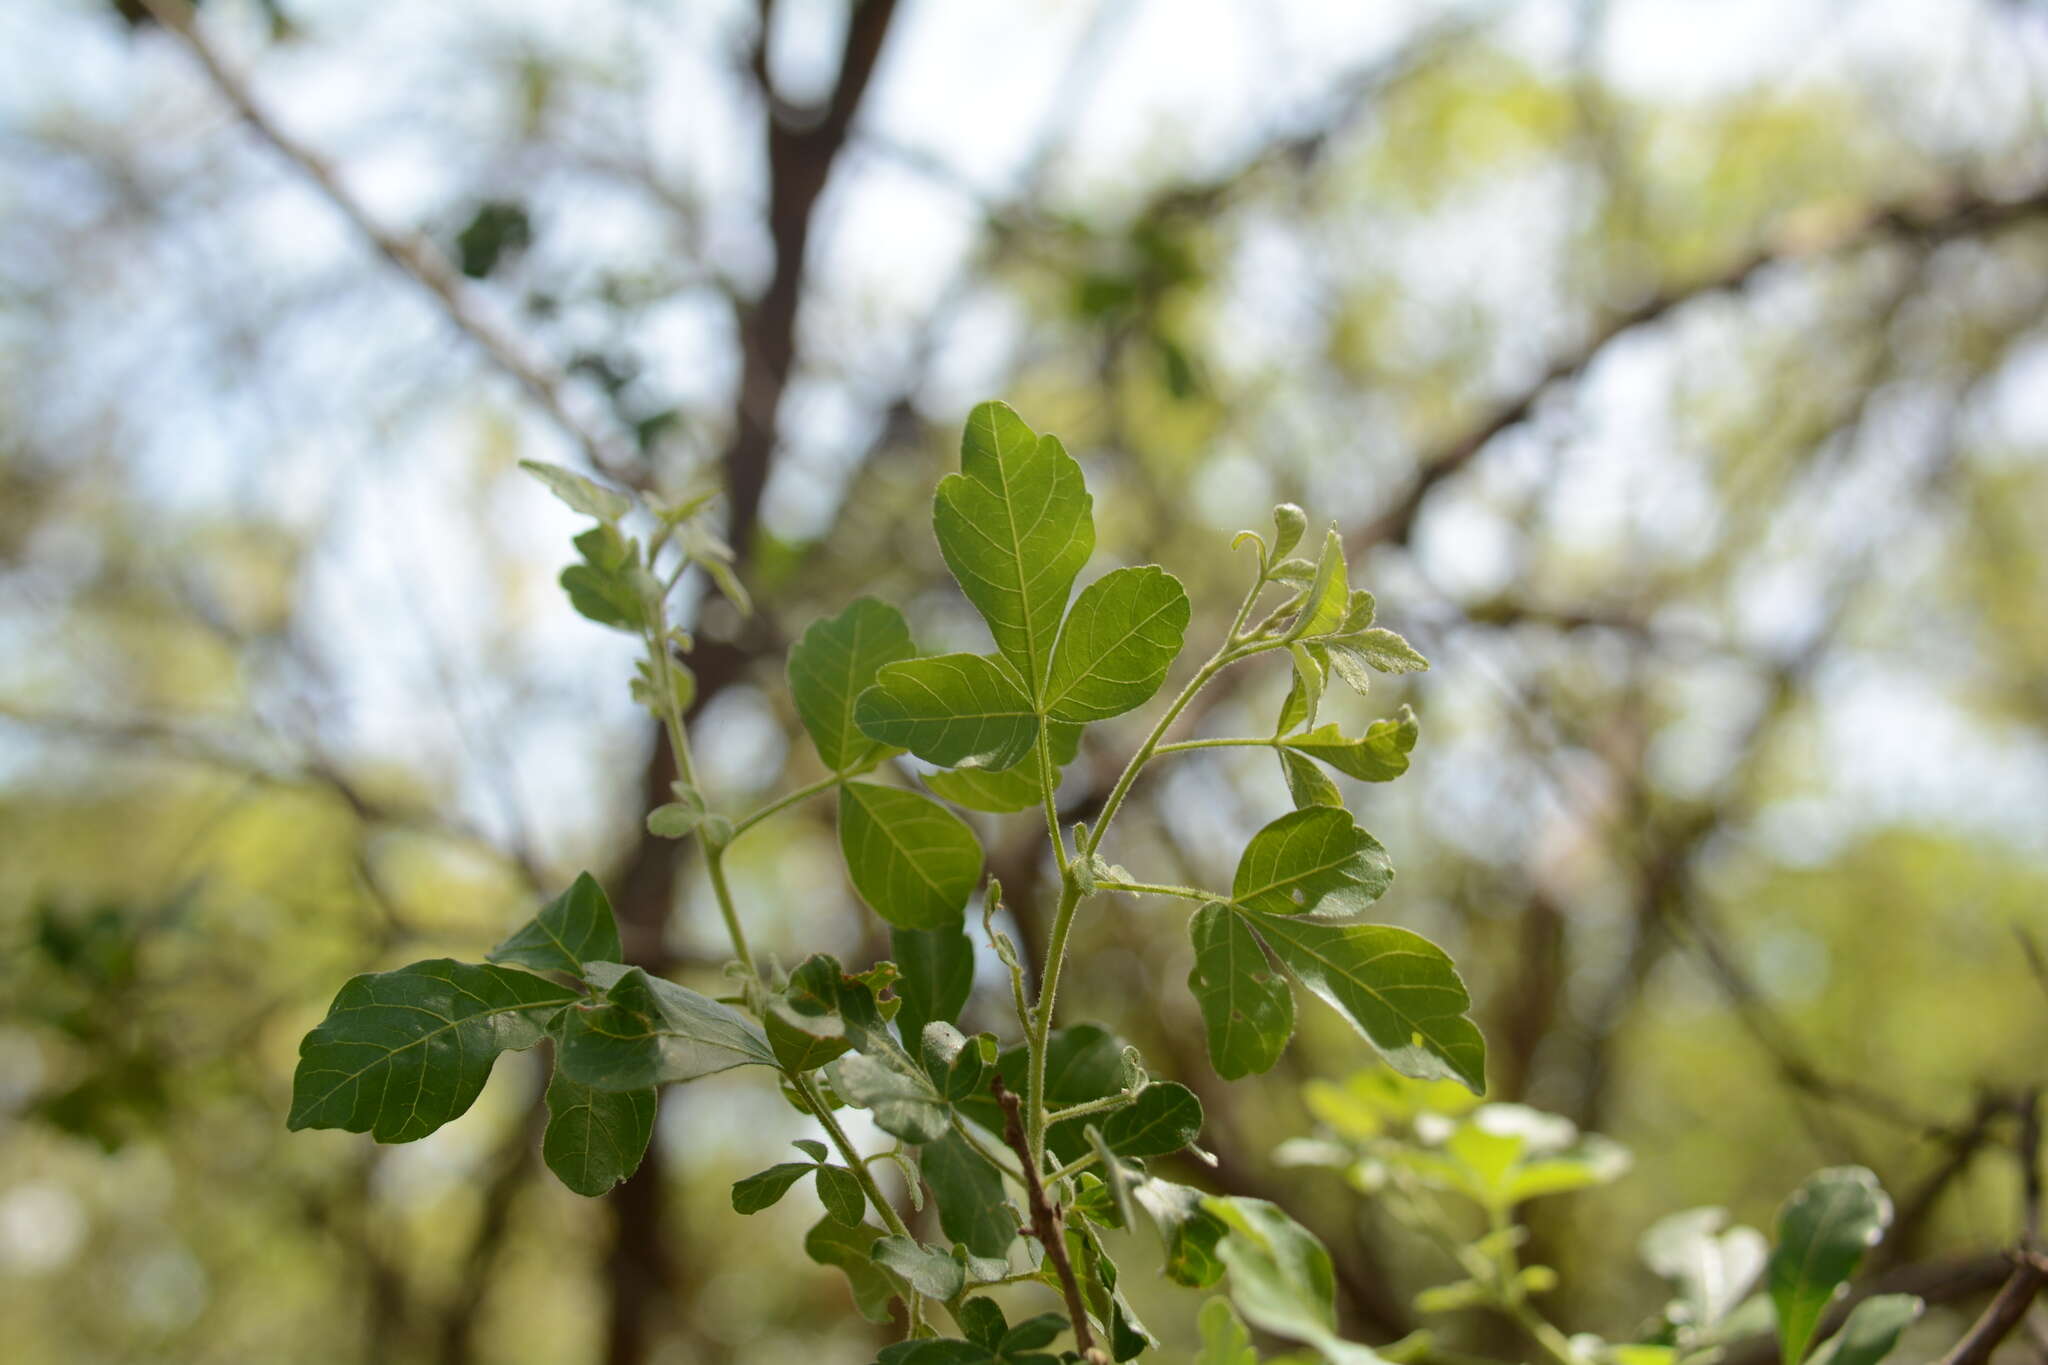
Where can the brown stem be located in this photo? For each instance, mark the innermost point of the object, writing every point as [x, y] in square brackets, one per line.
[1048, 1224]
[2015, 1296]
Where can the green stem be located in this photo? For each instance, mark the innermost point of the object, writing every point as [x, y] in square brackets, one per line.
[1186, 893]
[967, 1136]
[788, 799]
[1072, 1168]
[1041, 1015]
[1144, 753]
[1075, 1111]
[714, 863]
[1046, 780]
[1183, 746]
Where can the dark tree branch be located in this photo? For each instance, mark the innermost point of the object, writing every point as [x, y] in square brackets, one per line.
[2015, 1296]
[415, 257]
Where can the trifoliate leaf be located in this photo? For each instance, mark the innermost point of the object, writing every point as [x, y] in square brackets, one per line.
[1312, 861]
[1247, 1008]
[402, 1052]
[1015, 526]
[574, 928]
[834, 662]
[595, 1138]
[955, 710]
[1123, 634]
[913, 861]
[1398, 989]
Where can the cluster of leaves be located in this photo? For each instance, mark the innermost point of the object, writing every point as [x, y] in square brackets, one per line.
[1023, 1193]
[1422, 1150]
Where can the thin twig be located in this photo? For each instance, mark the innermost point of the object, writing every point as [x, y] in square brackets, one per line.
[2015, 1296]
[1047, 1223]
[418, 258]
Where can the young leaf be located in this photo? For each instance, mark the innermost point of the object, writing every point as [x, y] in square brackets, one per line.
[958, 1065]
[913, 861]
[834, 662]
[578, 493]
[938, 976]
[1380, 756]
[1289, 524]
[1872, 1330]
[1281, 1279]
[1015, 526]
[1329, 595]
[646, 1031]
[1377, 649]
[955, 710]
[1309, 676]
[839, 1190]
[595, 1138]
[1823, 1231]
[1247, 1010]
[970, 1196]
[1190, 1231]
[926, 1269]
[1312, 861]
[1306, 783]
[904, 1101]
[402, 1052]
[1164, 1118]
[1398, 989]
[764, 1189]
[1014, 788]
[1293, 707]
[1225, 1338]
[574, 928]
[850, 1249]
[676, 819]
[1113, 652]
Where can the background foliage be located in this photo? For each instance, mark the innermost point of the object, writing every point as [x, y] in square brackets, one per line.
[1676, 370]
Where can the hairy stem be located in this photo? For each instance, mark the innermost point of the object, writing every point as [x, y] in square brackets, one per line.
[788, 799]
[1186, 893]
[1041, 1017]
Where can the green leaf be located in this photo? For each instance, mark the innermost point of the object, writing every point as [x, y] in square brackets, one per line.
[1382, 650]
[1014, 788]
[1309, 672]
[574, 928]
[1329, 595]
[834, 662]
[1123, 634]
[1225, 1338]
[1312, 861]
[578, 493]
[937, 967]
[1380, 756]
[676, 819]
[970, 1196]
[1015, 527]
[839, 1190]
[1247, 1009]
[402, 1052]
[646, 1031]
[926, 1269]
[1190, 1231]
[1293, 707]
[913, 861]
[1165, 1117]
[936, 1351]
[1359, 616]
[958, 1065]
[1872, 1330]
[1306, 783]
[595, 1138]
[904, 1102]
[1289, 524]
[955, 710]
[1398, 989]
[1281, 1279]
[764, 1189]
[850, 1249]
[1823, 1231]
